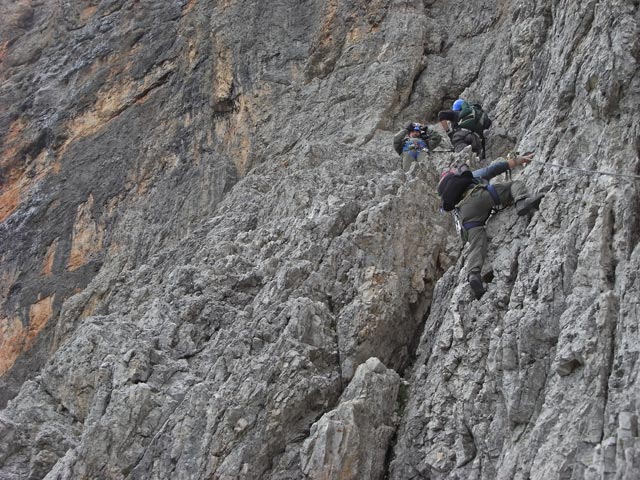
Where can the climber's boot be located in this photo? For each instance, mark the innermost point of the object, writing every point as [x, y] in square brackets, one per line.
[475, 282]
[528, 204]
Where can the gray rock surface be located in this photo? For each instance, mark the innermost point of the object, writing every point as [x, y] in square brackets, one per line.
[211, 265]
[351, 441]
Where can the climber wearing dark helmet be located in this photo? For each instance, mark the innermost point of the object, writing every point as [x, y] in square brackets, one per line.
[414, 142]
[473, 198]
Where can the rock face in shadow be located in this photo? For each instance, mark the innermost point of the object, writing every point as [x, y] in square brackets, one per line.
[211, 265]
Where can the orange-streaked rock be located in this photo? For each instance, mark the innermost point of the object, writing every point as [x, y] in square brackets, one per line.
[223, 73]
[326, 31]
[46, 165]
[15, 339]
[188, 7]
[87, 13]
[118, 94]
[9, 199]
[12, 335]
[47, 267]
[39, 314]
[16, 128]
[3, 51]
[236, 135]
[91, 305]
[20, 178]
[87, 236]
[20, 182]
[12, 143]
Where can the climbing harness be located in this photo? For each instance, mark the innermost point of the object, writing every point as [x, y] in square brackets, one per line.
[494, 195]
[489, 188]
[463, 228]
[456, 219]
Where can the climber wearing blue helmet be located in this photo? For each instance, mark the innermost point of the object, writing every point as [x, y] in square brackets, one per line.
[457, 105]
[465, 124]
[414, 142]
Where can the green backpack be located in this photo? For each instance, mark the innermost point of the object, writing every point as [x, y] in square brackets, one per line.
[473, 118]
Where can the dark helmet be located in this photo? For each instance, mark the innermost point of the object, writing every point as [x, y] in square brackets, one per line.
[445, 173]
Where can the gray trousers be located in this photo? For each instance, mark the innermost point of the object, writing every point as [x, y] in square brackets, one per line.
[407, 159]
[476, 207]
[461, 138]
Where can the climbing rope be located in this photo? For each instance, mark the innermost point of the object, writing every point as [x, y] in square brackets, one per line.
[589, 172]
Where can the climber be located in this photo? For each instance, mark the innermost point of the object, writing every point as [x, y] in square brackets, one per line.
[465, 124]
[414, 142]
[473, 199]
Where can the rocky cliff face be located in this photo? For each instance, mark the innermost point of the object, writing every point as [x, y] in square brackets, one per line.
[211, 265]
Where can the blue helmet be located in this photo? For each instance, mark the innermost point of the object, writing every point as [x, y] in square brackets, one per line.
[416, 127]
[457, 105]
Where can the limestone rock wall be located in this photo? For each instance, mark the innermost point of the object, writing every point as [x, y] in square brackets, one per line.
[211, 265]
[534, 380]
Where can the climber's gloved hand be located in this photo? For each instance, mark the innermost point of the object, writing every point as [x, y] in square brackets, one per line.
[524, 159]
[521, 160]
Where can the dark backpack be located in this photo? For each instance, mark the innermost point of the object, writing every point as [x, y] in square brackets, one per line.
[473, 118]
[452, 187]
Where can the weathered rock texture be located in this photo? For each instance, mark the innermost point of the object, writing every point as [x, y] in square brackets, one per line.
[212, 267]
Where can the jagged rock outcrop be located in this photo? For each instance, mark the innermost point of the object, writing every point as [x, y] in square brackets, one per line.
[211, 265]
[352, 440]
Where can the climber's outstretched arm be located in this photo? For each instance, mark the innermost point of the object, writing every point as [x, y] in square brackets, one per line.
[497, 168]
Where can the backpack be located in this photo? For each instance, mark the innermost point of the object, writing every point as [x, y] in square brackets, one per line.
[453, 185]
[473, 118]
